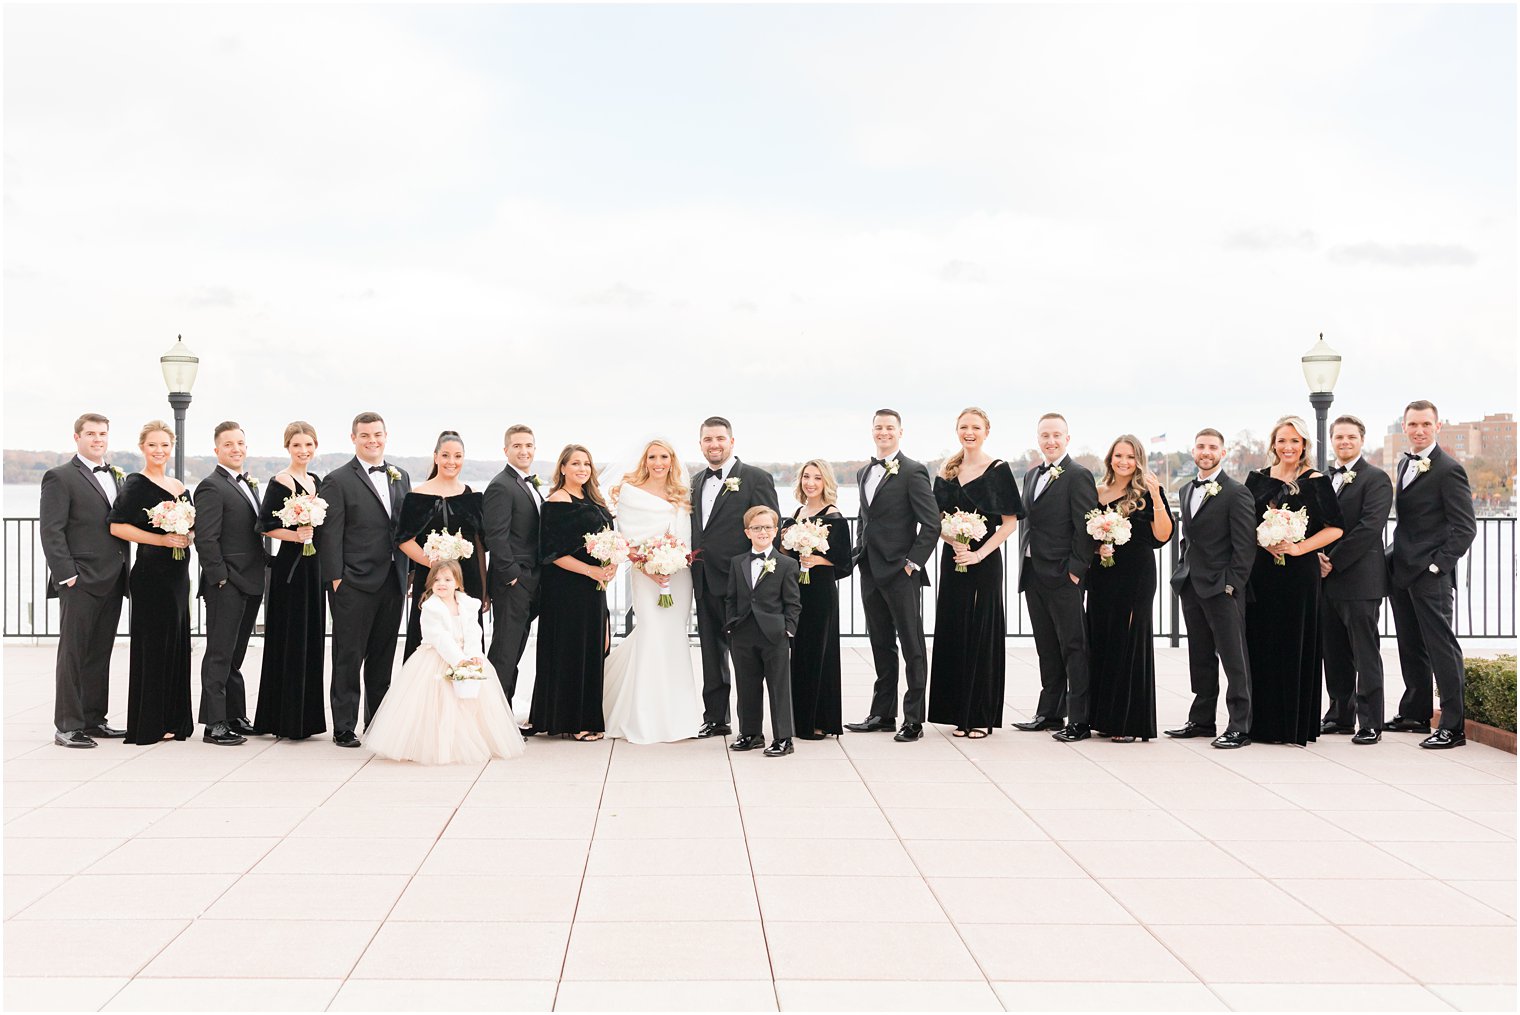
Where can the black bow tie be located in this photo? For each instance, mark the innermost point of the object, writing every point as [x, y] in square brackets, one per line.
[1412, 456]
[531, 480]
[715, 473]
[1337, 470]
[376, 468]
[758, 556]
[1201, 482]
[100, 468]
[879, 461]
[1046, 467]
[242, 477]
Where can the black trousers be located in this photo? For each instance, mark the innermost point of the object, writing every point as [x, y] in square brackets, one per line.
[761, 667]
[894, 609]
[1059, 625]
[715, 649]
[82, 678]
[366, 626]
[1422, 617]
[1353, 661]
[513, 608]
[1216, 630]
[230, 616]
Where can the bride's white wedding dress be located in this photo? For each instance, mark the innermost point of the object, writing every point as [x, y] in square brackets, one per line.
[649, 691]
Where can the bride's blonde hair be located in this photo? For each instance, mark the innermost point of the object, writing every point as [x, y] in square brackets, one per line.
[676, 489]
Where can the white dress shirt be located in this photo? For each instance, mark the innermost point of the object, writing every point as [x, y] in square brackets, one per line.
[381, 481]
[755, 567]
[712, 486]
[1195, 498]
[1412, 468]
[874, 475]
[1044, 479]
[538, 498]
[103, 480]
[1339, 479]
[237, 481]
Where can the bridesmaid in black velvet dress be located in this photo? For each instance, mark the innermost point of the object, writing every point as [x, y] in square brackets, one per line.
[574, 632]
[970, 621]
[1282, 610]
[816, 709]
[295, 615]
[158, 687]
[443, 503]
[1121, 597]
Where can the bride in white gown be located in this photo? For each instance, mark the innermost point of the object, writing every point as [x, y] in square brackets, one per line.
[649, 691]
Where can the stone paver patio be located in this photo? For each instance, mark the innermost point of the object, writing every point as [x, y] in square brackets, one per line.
[1011, 873]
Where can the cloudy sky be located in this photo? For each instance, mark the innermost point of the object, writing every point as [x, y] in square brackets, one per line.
[613, 221]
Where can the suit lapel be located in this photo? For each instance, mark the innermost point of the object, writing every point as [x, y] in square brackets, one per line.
[89, 477]
[722, 493]
[1208, 497]
[363, 473]
[391, 492]
[238, 494]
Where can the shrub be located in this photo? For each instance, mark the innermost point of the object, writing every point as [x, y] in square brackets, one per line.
[1490, 691]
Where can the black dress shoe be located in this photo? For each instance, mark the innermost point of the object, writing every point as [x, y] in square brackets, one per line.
[221, 735]
[910, 732]
[104, 732]
[1073, 732]
[1367, 736]
[346, 738]
[242, 727]
[873, 724]
[1230, 741]
[527, 731]
[1440, 740]
[780, 747]
[1190, 729]
[73, 738]
[714, 729]
[1037, 724]
[746, 743]
[1329, 726]
[1398, 724]
[812, 736]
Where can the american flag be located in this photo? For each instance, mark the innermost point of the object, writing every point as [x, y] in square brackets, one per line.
[1159, 440]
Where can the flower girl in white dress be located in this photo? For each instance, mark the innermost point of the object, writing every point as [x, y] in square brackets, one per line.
[423, 718]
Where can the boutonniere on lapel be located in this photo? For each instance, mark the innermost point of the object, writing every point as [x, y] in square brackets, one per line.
[1348, 477]
[253, 484]
[731, 484]
[891, 467]
[766, 567]
[1212, 490]
[393, 474]
[1055, 473]
[538, 484]
[117, 474]
[1422, 465]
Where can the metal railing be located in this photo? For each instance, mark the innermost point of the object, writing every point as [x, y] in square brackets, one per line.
[1485, 606]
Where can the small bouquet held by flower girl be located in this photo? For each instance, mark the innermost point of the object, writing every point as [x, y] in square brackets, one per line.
[466, 678]
[608, 546]
[807, 537]
[1279, 525]
[1110, 529]
[660, 557]
[173, 516]
[964, 527]
[303, 509]
[447, 545]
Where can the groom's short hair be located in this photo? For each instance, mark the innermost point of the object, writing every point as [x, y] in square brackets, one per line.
[517, 428]
[1349, 421]
[365, 417]
[888, 412]
[716, 421]
[1421, 405]
[1209, 431]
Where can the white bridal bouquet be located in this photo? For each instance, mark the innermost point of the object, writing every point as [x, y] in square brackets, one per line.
[447, 545]
[1110, 529]
[964, 527]
[661, 557]
[608, 546]
[303, 509]
[174, 516]
[464, 677]
[1279, 525]
[806, 537]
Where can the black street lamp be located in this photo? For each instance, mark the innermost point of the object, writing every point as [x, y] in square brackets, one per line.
[179, 365]
[1322, 368]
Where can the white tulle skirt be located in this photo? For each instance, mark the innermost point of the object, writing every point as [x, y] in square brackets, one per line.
[423, 720]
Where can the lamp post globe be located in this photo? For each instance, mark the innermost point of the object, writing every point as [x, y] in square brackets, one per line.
[179, 366]
[1322, 368]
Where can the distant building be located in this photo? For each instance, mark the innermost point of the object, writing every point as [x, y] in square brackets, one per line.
[1492, 437]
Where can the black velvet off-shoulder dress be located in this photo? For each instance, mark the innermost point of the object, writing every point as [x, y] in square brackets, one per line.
[573, 625]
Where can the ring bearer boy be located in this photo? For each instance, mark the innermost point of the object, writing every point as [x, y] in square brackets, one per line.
[760, 617]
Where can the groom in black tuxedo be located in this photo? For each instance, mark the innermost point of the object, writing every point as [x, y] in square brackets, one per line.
[366, 573]
[1435, 530]
[87, 573]
[1218, 550]
[720, 496]
[899, 525]
[512, 506]
[231, 551]
[1057, 552]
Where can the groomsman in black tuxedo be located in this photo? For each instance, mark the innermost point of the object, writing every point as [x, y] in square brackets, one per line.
[761, 606]
[1436, 526]
[231, 551]
[1355, 582]
[512, 505]
[87, 573]
[899, 525]
[1056, 554]
[366, 573]
[1218, 550]
[721, 494]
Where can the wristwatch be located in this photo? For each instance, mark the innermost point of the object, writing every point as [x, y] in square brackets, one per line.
[1434, 569]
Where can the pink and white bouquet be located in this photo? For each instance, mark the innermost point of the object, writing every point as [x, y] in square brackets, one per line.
[173, 516]
[964, 527]
[608, 546]
[661, 557]
[806, 537]
[1279, 525]
[303, 509]
[1110, 529]
[466, 679]
[447, 545]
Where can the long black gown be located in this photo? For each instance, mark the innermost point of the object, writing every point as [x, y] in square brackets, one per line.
[425, 513]
[158, 684]
[573, 624]
[970, 623]
[1282, 618]
[1121, 654]
[815, 646]
[295, 631]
